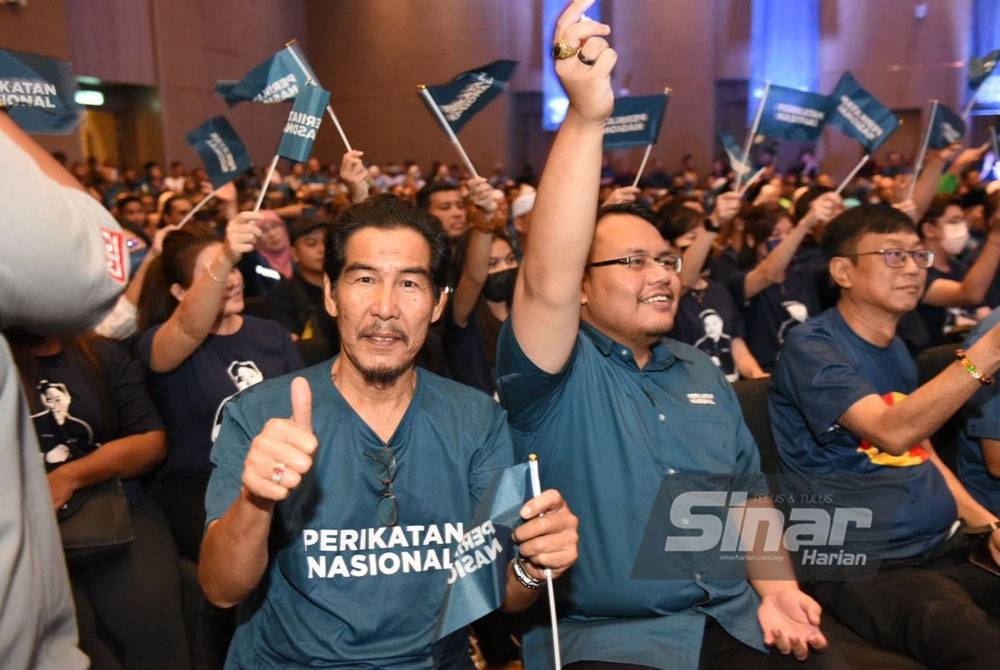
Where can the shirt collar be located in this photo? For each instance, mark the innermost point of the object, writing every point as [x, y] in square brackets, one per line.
[664, 354]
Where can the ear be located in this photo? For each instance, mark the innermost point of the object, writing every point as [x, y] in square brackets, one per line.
[442, 301]
[927, 230]
[584, 289]
[295, 254]
[328, 299]
[840, 270]
[177, 291]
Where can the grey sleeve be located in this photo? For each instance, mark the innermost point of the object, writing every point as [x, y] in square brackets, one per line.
[63, 262]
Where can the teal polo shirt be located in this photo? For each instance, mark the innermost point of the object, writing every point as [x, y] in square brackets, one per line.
[607, 433]
[341, 590]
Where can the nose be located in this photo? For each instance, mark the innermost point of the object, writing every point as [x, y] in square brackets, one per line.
[385, 306]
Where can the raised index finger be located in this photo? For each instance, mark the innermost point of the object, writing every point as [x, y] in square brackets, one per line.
[571, 15]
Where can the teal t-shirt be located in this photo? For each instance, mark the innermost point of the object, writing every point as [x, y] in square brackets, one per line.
[341, 589]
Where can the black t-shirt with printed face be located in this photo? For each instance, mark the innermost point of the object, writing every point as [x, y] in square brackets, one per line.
[78, 405]
[709, 320]
[191, 396]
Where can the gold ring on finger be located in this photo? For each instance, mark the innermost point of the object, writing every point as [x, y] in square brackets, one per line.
[562, 51]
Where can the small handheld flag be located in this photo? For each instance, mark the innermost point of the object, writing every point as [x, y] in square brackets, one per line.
[220, 149]
[303, 123]
[792, 114]
[38, 93]
[469, 93]
[981, 68]
[858, 114]
[471, 594]
[635, 121]
[733, 153]
[947, 127]
[277, 79]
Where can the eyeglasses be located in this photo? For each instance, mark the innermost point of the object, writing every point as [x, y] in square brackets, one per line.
[896, 258]
[386, 507]
[643, 262]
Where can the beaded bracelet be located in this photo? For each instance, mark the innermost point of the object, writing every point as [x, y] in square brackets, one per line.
[971, 368]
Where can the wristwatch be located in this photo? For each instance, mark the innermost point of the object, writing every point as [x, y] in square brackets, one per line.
[527, 581]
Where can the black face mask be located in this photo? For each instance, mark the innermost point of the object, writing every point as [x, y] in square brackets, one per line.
[499, 286]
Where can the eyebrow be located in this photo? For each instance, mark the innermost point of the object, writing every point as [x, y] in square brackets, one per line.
[362, 267]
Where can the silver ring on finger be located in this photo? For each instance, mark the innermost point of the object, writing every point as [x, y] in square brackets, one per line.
[277, 472]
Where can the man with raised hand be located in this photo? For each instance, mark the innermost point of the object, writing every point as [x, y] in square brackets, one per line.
[345, 517]
[609, 405]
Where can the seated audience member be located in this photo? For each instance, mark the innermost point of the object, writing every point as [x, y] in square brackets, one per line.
[444, 201]
[198, 347]
[270, 261]
[372, 444]
[951, 284]
[173, 209]
[96, 421]
[297, 302]
[482, 294]
[979, 437]
[845, 403]
[707, 318]
[776, 275]
[609, 405]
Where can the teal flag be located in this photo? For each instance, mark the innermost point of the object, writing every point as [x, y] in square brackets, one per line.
[947, 127]
[277, 79]
[220, 149]
[468, 93]
[635, 121]
[39, 93]
[303, 123]
[981, 68]
[478, 576]
[791, 114]
[858, 114]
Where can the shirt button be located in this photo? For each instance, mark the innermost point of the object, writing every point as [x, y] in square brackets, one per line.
[697, 576]
[625, 353]
[662, 417]
[671, 471]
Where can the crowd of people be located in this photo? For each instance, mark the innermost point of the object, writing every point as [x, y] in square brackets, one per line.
[369, 349]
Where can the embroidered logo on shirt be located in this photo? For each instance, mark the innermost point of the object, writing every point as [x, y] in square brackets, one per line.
[701, 398]
[115, 253]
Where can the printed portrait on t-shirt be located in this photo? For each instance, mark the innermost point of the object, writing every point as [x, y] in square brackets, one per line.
[244, 375]
[717, 344]
[61, 435]
[797, 313]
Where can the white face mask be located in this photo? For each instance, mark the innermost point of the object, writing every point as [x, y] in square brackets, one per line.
[956, 235]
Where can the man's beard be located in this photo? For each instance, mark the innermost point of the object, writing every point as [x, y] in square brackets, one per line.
[383, 375]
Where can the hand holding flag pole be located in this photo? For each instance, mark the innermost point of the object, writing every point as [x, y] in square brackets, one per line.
[426, 95]
[291, 45]
[922, 154]
[536, 490]
[750, 182]
[753, 131]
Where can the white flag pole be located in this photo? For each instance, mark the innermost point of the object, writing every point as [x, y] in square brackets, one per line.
[923, 150]
[536, 490]
[309, 79]
[996, 147]
[197, 208]
[266, 184]
[971, 103]
[642, 166]
[850, 175]
[447, 129]
[753, 131]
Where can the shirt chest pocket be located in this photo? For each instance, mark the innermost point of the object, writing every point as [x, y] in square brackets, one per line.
[709, 445]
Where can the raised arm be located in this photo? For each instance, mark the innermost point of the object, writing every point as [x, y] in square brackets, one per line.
[198, 311]
[727, 206]
[546, 310]
[355, 175]
[484, 220]
[772, 269]
[973, 287]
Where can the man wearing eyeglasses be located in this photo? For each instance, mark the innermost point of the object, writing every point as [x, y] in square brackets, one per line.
[846, 409]
[345, 519]
[612, 407]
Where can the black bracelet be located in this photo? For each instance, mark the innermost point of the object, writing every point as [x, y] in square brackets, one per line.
[527, 581]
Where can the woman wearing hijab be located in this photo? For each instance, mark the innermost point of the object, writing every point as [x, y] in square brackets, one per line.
[271, 259]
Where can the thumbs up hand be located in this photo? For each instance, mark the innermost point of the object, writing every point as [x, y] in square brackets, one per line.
[282, 452]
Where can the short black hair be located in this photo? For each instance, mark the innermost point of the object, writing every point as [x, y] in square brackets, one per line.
[424, 195]
[630, 208]
[387, 212]
[675, 220]
[938, 206]
[844, 230]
